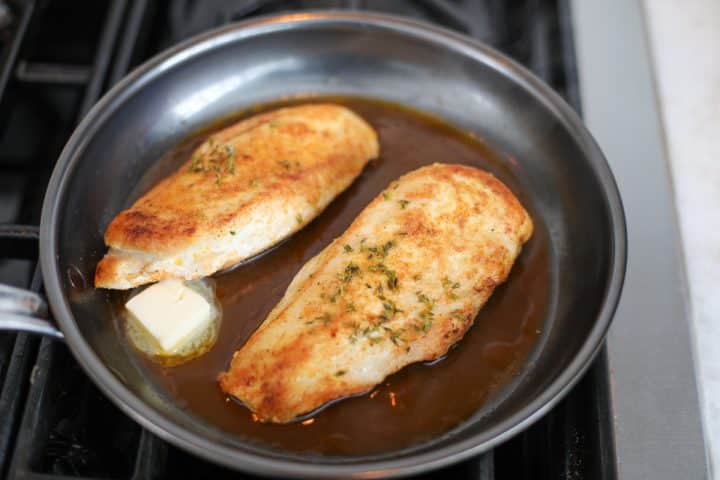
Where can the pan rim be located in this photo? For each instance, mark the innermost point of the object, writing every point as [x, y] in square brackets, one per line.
[235, 458]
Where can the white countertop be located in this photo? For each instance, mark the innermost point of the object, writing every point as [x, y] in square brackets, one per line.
[685, 42]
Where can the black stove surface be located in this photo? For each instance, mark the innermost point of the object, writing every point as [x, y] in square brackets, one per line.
[56, 60]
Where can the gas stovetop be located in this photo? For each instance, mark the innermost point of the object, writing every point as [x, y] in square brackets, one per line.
[57, 59]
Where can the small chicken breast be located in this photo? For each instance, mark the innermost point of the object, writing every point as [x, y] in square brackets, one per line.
[246, 188]
[401, 285]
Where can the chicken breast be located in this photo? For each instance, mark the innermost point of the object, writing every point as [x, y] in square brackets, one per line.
[244, 189]
[401, 285]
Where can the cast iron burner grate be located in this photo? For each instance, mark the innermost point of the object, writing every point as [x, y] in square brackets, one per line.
[56, 59]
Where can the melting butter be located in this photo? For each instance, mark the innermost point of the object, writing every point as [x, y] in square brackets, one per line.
[173, 321]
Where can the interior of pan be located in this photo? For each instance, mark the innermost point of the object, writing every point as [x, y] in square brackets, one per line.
[551, 158]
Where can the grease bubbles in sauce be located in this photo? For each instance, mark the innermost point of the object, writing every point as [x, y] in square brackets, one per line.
[420, 402]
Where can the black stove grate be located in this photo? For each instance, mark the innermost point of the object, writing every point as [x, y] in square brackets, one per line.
[56, 59]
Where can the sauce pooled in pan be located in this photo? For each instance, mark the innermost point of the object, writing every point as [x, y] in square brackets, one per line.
[421, 401]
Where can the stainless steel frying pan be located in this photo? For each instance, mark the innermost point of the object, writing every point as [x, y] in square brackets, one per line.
[467, 83]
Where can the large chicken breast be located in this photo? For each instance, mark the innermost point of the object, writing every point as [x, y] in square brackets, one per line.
[401, 285]
[244, 189]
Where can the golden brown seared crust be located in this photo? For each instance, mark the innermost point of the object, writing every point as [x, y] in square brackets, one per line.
[401, 285]
[244, 189]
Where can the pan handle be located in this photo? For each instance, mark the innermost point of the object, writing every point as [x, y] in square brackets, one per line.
[25, 311]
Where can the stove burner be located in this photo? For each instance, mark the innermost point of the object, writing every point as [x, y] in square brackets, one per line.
[56, 59]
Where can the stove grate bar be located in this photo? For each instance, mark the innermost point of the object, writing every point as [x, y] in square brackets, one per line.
[52, 73]
[42, 451]
[131, 34]
[19, 241]
[17, 351]
[103, 54]
[7, 62]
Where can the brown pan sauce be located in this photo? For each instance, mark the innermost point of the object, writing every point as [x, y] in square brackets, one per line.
[421, 401]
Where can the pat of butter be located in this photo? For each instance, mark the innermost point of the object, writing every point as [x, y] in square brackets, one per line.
[171, 313]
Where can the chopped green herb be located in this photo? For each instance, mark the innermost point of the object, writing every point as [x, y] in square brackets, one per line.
[355, 335]
[370, 329]
[254, 182]
[299, 219]
[197, 164]
[232, 232]
[324, 318]
[403, 203]
[285, 164]
[230, 152]
[426, 324]
[425, 300]
[340, 373]
[375, 251]
[426, 314]
[386, 248]
[392, 280]
[214, 157]
[350, 307]
[350, 270]
[336, 295]
[449, 286]
[386, 195]
[395, 335]
[348, 248]
[390, 309]
[459, 315]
